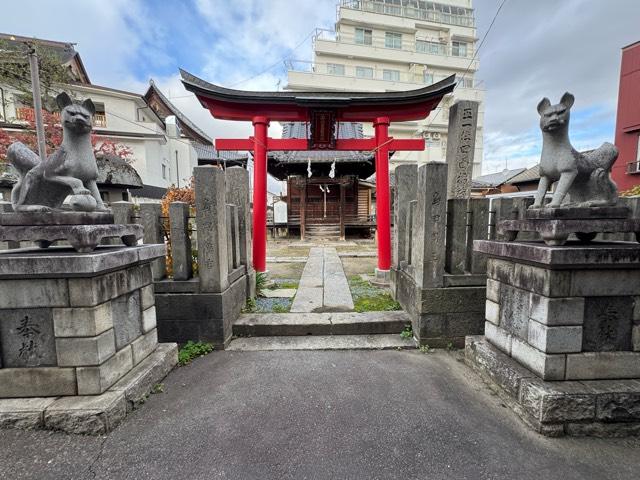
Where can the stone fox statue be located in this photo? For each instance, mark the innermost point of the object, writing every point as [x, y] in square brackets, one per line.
[71, 170]
[583, 176]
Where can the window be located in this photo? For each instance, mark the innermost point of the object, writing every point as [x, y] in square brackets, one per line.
[164, 172]
[392, 40]
[335, 69]
[364, 36]
[364, 72]
[391, 75]
[434, 48]
[465, 82]
[638, 153]
[459, 49]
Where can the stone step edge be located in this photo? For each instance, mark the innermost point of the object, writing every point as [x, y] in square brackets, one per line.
[91, 414]
[323, 342]
[536, 408]
[320, 324]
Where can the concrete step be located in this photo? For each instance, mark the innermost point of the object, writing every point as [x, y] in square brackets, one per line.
[323, 342]
[303, 324]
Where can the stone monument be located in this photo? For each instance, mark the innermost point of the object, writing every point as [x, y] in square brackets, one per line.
[562, 331]
[44, 184]
[78, 338]
[461, 146]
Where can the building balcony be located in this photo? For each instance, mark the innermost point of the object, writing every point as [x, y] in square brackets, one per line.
[28, 114]
[100, 120]
[304, 74]
[421, 52]
[416, 9]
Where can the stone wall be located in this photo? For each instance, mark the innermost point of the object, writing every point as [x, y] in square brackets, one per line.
[436, 277]
[561, 341]
[203, 306]
[74, 324]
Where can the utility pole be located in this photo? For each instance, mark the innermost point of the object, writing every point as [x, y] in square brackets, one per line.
[37, 102]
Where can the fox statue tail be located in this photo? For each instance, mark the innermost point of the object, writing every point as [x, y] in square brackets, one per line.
[22, 158]
[603, 157]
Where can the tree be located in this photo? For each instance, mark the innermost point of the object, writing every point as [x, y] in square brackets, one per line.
[53, 139]
[15, 72]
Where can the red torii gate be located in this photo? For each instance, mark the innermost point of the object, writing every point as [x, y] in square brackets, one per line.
[322, 110]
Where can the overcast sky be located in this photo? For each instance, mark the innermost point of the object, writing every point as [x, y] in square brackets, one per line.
[536, 48]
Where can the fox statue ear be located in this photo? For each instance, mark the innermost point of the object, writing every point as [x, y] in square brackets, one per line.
[543, 105]
[88, 104]
[567, 100]
[63, 100]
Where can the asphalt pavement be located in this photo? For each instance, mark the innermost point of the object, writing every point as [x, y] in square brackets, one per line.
[319, 415]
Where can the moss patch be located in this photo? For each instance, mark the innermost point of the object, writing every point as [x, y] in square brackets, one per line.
[369, 298]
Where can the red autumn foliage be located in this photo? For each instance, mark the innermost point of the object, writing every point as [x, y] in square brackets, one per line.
[53, 139]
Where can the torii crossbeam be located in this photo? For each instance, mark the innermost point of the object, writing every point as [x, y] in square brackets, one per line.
[322, 110]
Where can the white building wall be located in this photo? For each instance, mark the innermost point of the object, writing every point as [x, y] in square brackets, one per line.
[408, 65]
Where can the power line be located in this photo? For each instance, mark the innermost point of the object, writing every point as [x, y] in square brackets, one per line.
[261, 72]
[474, 56]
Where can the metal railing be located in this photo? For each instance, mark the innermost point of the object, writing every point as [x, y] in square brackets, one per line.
[372, 73]
[100, 120]
[427, 46]
[28, 114]
[418, 9]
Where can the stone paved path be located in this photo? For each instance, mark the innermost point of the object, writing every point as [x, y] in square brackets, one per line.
[319, 415]
[323, 286]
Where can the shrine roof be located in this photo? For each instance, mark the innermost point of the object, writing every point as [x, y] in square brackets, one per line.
[284, 163]
[233, 104]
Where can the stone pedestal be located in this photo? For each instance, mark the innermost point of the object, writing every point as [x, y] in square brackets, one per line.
[555, 225]
[569, 315]
[76, 325]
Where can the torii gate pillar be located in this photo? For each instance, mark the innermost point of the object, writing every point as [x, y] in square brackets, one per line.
[260, 127]
[383, 205]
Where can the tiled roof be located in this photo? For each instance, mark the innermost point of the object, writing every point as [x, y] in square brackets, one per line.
[530, 175]
[495, 179]
[301, 130]
[208, 152]
[174, 110]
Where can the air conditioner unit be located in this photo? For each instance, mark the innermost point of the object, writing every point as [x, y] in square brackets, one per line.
[633, 167]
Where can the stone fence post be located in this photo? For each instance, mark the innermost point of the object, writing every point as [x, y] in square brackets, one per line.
[429, 225]
[150, 219]
[237, 192]
[122, 213]
[211, 219]
[180, 242]
[405, 191]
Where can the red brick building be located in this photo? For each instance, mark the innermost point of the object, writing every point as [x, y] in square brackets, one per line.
[626, 170]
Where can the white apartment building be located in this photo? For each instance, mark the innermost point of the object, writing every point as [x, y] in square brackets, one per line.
[390, 45]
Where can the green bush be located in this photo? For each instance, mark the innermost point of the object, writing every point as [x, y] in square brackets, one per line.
[261, 282]
[407, 332]
[191, 350]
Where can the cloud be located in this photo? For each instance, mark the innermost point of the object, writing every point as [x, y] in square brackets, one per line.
[535, 49]
[542, 49]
